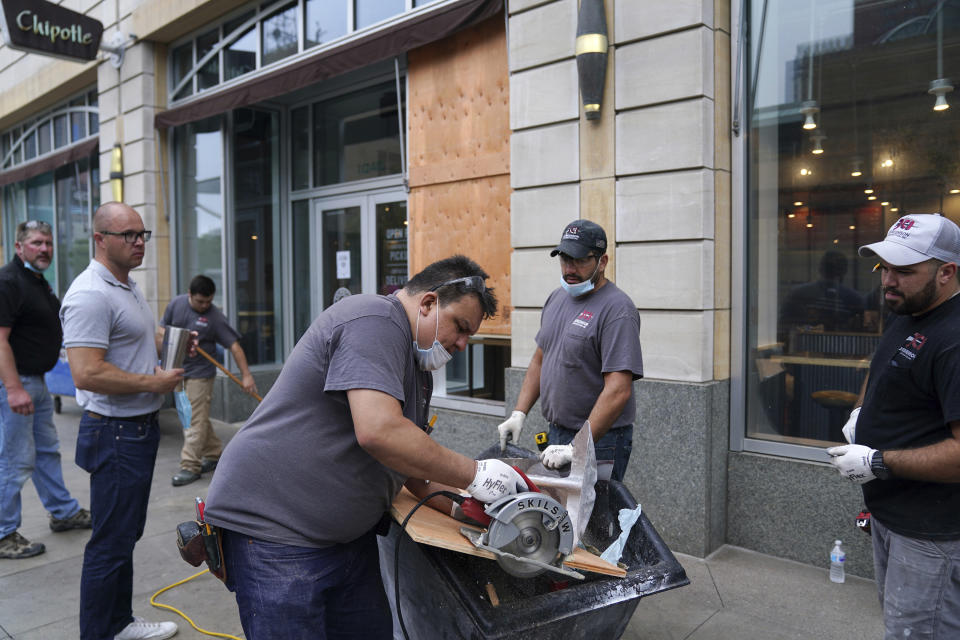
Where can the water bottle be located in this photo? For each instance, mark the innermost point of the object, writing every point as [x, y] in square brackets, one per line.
[837, 558]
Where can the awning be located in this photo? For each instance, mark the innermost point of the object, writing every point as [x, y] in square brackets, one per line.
[51, 162]
[391, 41]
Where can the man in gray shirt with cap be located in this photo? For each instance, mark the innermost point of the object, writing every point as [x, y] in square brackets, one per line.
[905, 435]
[587, 357]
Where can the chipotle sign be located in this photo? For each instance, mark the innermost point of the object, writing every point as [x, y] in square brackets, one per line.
[43, 27]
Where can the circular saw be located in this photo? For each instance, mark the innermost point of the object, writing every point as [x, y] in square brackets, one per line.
[529, 533]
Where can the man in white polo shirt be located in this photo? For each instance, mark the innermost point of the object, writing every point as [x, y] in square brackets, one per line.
[109, 332]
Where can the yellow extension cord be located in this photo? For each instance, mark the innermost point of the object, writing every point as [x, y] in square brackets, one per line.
[181, 613]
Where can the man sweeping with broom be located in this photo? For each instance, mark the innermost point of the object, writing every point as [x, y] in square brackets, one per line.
[195, 311]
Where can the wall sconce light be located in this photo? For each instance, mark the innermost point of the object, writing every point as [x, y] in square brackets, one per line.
[888, 162]
[852, 227]
[806, 172]
[857, 169]
[116, 172]
[591, 48]
[940, 88]
[809, 109]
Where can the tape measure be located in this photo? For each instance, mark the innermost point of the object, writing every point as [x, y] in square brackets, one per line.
[541, 440]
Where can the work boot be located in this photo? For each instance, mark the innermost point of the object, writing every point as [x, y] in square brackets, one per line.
[140, 629]
[207, 465]
[16, 546]
[79, 520]
[184, 476]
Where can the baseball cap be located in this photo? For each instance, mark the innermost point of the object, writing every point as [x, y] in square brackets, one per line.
[580, 238]
[917, 238]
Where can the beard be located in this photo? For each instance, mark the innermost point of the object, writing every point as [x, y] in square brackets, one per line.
[920, 301]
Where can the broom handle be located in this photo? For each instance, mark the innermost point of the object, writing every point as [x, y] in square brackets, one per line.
[222, 368]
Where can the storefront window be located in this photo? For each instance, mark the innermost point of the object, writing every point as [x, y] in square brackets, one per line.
[256, 169]
[240, 56]
[325, 21]
[302, 280]
[279, 35]
[357, 136]
[300, 148]
[370, 11]
[209, 74]
[848, 131]
[199, 191]
[74, 186]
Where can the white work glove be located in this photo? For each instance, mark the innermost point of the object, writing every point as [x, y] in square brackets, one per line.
[495, 479]
[850, 429]
[556, 456]
[511, 427]
[853, 462]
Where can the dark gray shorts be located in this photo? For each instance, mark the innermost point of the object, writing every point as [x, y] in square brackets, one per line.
[919, 585]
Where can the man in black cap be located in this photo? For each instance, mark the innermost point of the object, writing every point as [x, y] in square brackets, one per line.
[587, 357]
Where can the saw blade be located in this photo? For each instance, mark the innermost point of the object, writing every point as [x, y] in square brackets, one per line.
[534, 541]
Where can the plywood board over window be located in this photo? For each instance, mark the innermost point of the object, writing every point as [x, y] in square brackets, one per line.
[459, 164]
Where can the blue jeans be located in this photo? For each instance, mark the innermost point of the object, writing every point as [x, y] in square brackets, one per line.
[29, 448]
[616, 444]
[120, 456]
[918, 583]
[292, 593]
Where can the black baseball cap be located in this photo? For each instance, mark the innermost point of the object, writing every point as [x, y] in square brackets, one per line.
[581, 238]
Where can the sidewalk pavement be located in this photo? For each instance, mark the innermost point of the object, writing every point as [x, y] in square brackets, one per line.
[734, 593]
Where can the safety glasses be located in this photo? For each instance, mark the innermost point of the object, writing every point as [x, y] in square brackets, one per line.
[474, 283]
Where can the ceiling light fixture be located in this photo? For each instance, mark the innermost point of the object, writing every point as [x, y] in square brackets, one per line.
[954, 190]
[857, 170]
[941, 86]
[809, 109]
[798, 203]
[885, 203]
[868, 191]
[818, 144]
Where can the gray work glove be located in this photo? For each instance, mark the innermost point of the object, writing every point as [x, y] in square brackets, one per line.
[556, 456]
[495, 479]
[853, 462]
[510, 428]
[850, 429]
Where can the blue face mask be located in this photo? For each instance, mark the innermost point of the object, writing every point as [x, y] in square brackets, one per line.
[436, 356]
[581, 288]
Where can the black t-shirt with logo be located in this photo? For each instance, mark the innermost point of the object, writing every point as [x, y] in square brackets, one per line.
[912, 395]
[32, 311]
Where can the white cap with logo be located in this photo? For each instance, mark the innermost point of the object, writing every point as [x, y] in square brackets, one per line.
[917, 238]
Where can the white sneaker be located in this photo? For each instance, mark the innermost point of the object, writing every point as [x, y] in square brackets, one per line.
[140, 629]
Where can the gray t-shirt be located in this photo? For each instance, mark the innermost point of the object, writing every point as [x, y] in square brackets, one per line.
[211, 327]
[295, 474]
[101, 312]
[583, 338]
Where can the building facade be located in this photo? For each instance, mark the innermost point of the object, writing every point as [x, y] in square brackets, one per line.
[298, 151]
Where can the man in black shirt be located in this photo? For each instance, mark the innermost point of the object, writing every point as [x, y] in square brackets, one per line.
[905, 442]
[30, 337]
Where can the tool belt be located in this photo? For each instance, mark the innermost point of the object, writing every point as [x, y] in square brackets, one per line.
[202, 542]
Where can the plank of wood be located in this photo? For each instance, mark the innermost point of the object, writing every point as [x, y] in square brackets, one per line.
[429, 526]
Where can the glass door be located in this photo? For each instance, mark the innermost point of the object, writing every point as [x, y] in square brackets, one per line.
[360, 246]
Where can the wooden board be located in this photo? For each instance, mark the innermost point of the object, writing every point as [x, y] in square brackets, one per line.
[429, 526]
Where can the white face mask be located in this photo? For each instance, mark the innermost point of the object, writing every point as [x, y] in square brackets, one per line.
[436, 356]
[581, 288]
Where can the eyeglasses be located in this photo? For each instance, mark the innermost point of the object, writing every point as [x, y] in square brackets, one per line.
[130, 236]
[39, 225]
[470, 282]
[578, 262]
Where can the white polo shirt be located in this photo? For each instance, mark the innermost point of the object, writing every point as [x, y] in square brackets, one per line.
[101, 312]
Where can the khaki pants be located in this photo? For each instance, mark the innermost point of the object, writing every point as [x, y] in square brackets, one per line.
[199, 441]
